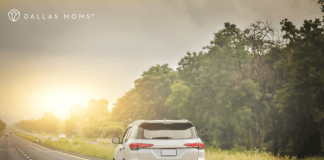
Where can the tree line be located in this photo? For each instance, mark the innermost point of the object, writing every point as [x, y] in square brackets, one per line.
[91, 121]
[47, 124]
[2, 126]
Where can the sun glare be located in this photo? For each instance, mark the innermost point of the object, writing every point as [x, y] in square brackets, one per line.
[58, 101]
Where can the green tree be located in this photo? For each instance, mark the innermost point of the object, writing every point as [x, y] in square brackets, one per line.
[261, 41]
[124, 109]
[153, 89]
[49, 123]
[2, 125]
[147, 99]
[97, 108]
[211, 78]
[321, 2]
[302, 95]
[95, 115]
[178, 98]
[76, 120]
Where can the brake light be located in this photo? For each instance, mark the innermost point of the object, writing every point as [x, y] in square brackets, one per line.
[191, 144]
[201, 145]
[134, 146]
[196, 145]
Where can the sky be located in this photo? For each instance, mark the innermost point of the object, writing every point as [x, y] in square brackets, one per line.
[48, 64]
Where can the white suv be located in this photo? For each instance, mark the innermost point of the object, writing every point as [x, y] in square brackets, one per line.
[160, 140]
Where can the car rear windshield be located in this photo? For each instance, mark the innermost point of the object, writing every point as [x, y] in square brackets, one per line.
[166, 131]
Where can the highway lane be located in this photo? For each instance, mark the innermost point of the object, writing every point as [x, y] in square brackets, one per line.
[15, 148]
[8, 150]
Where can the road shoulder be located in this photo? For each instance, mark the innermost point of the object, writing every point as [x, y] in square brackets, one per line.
[60, 151]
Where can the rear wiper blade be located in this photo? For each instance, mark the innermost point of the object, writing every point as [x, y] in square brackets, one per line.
[162, 138]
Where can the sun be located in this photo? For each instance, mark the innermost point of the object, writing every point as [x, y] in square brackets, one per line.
[62, 100]
[58, 100]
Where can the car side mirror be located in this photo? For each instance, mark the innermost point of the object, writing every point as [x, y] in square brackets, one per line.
[116, 140]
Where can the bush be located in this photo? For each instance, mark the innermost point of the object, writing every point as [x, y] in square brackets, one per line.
[32, 138]
[78, 141]
[64, 141]
[114, 131]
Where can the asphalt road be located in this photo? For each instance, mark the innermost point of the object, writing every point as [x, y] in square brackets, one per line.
[16, 148]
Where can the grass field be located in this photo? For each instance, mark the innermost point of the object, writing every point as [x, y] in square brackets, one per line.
[77, 146]
[102, 151]
[32, 138]
[107, 151]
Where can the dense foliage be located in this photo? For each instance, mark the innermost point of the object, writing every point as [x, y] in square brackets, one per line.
[92, 121]
[47, 124]
[147, 99]
[2, 126]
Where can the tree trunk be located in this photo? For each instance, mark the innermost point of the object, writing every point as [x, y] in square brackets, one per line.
[275, 144]
[260, 132]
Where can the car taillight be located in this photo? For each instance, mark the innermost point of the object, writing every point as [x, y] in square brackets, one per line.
[196, 145]
[201, 145]
[134, 146]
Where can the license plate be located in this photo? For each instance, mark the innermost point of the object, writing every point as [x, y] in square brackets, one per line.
[169, 152]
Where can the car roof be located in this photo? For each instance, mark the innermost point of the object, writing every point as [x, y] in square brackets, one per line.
[139, 122]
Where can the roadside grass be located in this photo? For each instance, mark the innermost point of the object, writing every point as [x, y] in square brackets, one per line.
[78, 146]
[32, 138]
[47, 135]
[107, 151]
[314, 158]
[218, 154]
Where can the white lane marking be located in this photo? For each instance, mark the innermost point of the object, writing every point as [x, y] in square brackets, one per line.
[17, 147]
[54, 151]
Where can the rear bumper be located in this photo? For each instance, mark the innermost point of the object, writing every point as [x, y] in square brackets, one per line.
[182, 154]
[201, 154]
